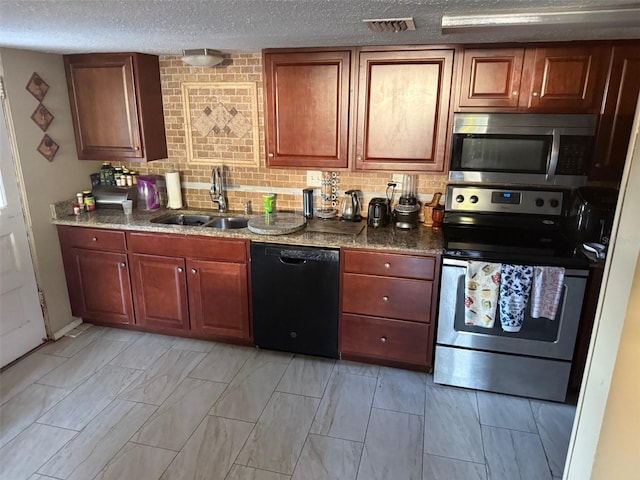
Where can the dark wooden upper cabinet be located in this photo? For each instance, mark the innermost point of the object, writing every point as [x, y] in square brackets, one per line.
[619, 106]
[568, 79]
[403, 106]
[116, 106]
[307, 108]
[554, 79]
[491, 77]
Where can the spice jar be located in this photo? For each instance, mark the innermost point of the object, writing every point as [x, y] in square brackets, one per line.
[89, 201]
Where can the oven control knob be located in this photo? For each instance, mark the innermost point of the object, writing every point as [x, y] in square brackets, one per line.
[539, 202]
[554, 203]
[460, 198]
[473, 199]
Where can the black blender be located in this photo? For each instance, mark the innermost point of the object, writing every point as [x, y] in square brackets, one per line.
[407, 210]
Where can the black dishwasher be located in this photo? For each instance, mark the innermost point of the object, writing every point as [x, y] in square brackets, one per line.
[295, 298]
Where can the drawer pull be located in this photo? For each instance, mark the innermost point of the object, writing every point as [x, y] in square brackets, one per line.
[385, 299]
[383, 339]
[179, 269]
[535, 94]
[122, 265]
[387, 265]
[194, 271]
[94, 239]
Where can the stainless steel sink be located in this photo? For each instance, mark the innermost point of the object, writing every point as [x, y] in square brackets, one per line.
[184, 219]
[191, 220]
[228, 222]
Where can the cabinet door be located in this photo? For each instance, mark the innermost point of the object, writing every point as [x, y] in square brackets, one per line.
[116, 106]
[567, 79]
[218, 298]
[491, 77]
[307, 109]
[403, 105]
[160, 291]
[100, 288]
[616, 121]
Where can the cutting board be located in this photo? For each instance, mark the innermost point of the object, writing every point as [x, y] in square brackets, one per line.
[335, 226]
[276, 224]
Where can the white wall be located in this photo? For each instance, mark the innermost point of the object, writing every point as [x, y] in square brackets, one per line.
[45, 182]
[607, 428]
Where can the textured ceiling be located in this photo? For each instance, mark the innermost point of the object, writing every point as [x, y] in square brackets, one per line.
[169, 26]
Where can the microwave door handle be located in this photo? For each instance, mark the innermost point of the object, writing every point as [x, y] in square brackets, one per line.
[555, 152]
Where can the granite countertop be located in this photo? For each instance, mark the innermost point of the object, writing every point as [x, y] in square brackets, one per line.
[419, 240]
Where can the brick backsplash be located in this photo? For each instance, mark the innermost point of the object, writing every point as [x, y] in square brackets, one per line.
[245, 182]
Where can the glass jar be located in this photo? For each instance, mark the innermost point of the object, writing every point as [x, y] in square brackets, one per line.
[106, 173]
[89, 201]
[118, 176]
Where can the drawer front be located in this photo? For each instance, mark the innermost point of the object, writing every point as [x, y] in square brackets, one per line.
[387, 297]
[206, 248]
[389, 264]
[395, 340]
[92, 238]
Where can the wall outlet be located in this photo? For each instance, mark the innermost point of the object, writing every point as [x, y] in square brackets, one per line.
[397, 178]
[314, 178]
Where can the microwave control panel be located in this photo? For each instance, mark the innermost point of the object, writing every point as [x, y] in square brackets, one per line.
[478, 199]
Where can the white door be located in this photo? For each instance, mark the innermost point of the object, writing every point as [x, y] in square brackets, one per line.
[21, 320]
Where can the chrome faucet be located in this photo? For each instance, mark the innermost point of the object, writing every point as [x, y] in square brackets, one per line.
[216, 192]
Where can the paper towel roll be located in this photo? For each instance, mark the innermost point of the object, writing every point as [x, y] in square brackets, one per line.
[174, 194]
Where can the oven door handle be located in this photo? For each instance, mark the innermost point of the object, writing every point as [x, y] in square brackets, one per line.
[454, 262]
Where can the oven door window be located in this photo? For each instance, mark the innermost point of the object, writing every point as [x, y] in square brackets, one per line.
[538, 329]
[501, 153]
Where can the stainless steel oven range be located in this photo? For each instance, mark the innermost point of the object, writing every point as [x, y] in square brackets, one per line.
[517, 227]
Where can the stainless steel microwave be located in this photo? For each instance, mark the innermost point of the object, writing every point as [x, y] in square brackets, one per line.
[521, 148]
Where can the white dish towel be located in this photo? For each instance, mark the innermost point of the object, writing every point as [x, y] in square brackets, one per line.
[546, 291]
[482, 284]
[515, 289]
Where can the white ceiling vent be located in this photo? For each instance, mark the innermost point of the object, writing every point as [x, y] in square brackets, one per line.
[390, 24]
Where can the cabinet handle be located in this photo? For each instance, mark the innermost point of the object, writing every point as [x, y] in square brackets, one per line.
[359, 158]
[270, 155]
[387, 265]
[535, 94]
[179, 269]
[514, 93]
[383, 339]
[385, 299]
[94, 239]
[135, 149]
[194, 271]
[122, 265]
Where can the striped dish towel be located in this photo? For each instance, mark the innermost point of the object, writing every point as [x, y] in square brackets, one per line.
[546, 291]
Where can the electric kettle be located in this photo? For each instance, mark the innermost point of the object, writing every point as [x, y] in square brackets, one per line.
[351, 207]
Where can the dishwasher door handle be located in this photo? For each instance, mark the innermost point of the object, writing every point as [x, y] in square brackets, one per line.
[292, 261]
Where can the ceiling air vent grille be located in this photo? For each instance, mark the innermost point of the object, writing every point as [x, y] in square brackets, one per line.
[390, 24]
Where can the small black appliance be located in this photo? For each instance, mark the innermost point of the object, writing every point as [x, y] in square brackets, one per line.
[591, 214]
[378, 214]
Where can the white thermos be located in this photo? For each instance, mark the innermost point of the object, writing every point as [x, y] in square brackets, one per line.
[174, 193]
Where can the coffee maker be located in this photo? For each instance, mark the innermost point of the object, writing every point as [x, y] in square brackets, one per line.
[407, 210]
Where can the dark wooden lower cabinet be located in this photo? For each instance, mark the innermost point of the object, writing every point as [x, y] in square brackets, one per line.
[97, 273]
[387, 307]
[160, 291]
[218, 298]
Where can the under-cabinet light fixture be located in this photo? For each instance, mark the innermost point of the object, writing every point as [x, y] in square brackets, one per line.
[606, 17]
[202, 57]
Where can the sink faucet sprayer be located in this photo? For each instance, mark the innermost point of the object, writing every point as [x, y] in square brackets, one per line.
[216, 192]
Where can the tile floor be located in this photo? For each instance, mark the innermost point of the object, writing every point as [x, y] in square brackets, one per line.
[113, 404]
